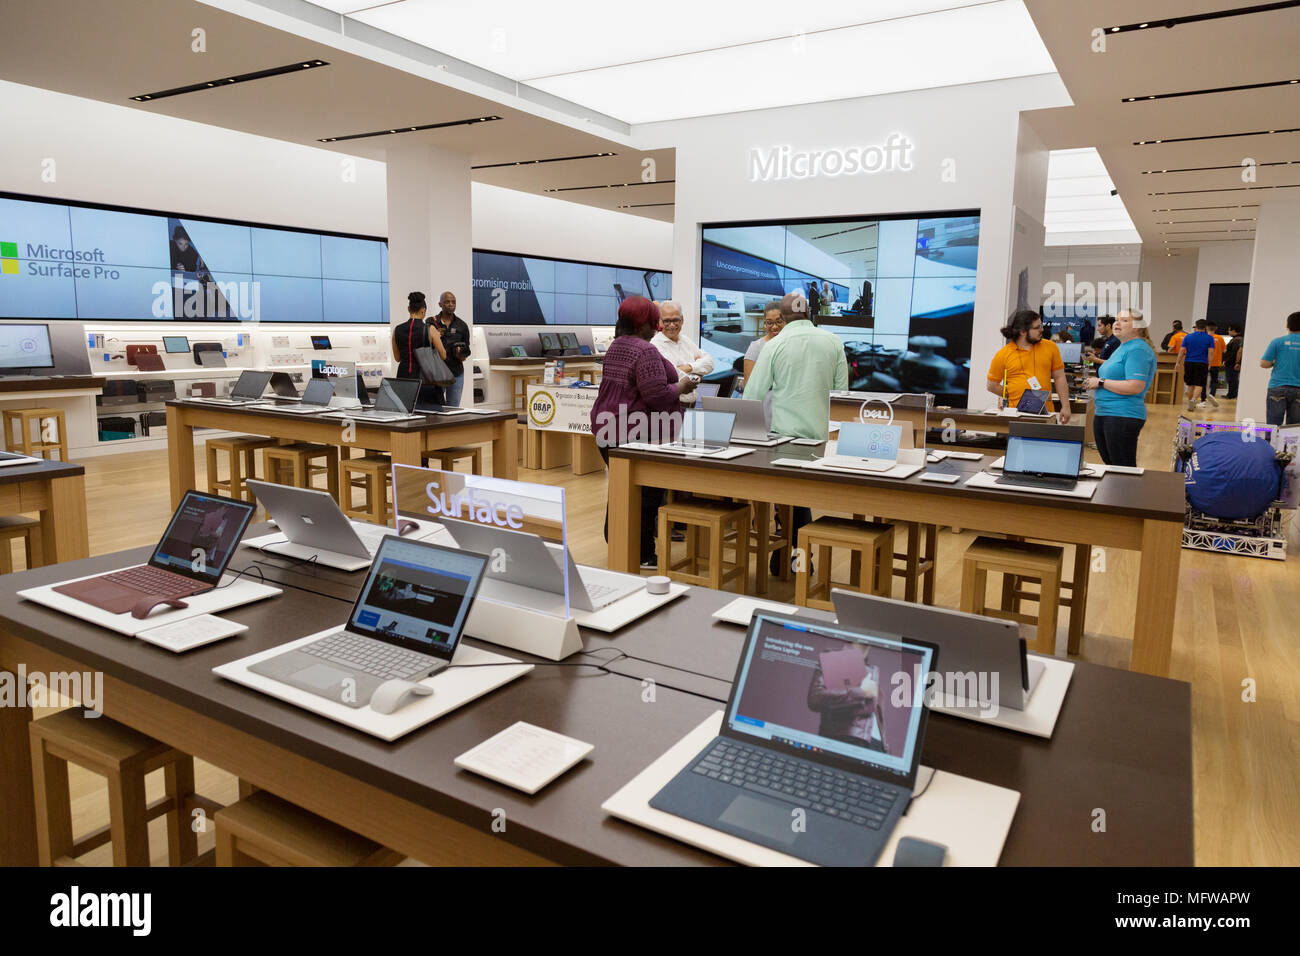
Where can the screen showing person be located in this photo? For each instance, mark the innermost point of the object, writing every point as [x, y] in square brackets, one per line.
[25, 346]
[865, 440]
[832, 690]
[1043, 456]
[418, 593]
[203, 532]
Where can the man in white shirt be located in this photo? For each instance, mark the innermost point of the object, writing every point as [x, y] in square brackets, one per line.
[678, 348]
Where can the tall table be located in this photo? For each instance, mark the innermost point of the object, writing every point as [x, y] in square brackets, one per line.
[405, 441]
[57, 490]
[1131, 512]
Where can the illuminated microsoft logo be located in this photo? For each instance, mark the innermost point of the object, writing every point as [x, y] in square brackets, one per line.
[9, 258]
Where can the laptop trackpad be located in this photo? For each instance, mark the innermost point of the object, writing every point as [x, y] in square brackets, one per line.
[320, 676]
[772, 820]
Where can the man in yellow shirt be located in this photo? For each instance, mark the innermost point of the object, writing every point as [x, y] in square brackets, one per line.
[1028, 361]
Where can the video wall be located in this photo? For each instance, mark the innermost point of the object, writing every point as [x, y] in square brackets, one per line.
[898, 290]
[511, 289]
[94, 263]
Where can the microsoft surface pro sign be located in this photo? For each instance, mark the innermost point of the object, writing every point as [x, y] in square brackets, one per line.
[776, 163]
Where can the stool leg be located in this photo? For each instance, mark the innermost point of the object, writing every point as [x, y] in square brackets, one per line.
[476, 462]
[53, 804]
[236, 477]
[225, 847]
[930, 555]
[126, 819]
[7, 557]
[376, 497]
[664, 544]
[182, 842]
[762, 544]
[212, 470]
[970, 602]
[1079, 596]
[35, 554]
[715, 555]
[913, 560]
[884, 567]
[801, 575]
[1049, 598]
[742, 549]
[332, 472]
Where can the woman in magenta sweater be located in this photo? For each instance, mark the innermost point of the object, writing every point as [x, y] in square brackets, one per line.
[639, 400]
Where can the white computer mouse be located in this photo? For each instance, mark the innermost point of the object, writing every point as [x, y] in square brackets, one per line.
[395, 694]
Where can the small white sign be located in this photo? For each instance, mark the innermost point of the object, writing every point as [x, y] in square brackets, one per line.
[560, 409]
[524, 756]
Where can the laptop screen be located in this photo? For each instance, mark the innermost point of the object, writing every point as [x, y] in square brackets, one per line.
[251, 384]
[1071, 352]
[202, 536]
[705, 390]
[568, 340]
[1043, 456]
[863, 440]
[707, 428]
[834, 691]
[319, 391]
[397, 394]
[418, 595]
[176, 343]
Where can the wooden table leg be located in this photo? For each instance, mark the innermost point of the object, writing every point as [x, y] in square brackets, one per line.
[1079, 595]
[505, 451]
[17, 805]
[762, 534]
[1153, 628]
[180, 454]
[624, 517]
[406, 448]
[912, 559]
[63, 525]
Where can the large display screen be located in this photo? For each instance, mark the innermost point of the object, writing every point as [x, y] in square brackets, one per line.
[93, 263]
[898, 290]
[25, 346]
[512, 289]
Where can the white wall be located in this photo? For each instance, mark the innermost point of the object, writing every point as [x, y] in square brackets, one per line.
[1220, 262]
[1173, 287]
[1273, 296]
[975, 127]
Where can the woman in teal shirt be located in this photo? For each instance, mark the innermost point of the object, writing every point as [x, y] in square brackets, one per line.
[1119, 391]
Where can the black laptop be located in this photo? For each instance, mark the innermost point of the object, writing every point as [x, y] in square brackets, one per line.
[1042, 456]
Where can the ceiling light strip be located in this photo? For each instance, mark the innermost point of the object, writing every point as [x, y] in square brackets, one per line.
[1217, 89]
[570, 189]
[1226, 189]
[1204, 169]
[535, 162]
[296, 67]
[1197, 139]
[643, 205]
[1172, 22]
[409, 129]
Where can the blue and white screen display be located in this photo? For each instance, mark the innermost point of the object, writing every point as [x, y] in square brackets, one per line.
[66, 261]
[867, 440]
[418, 594]
[898, 291]
[1043, 456]
[528, 290]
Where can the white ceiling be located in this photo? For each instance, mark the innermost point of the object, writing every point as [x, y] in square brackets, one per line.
[1080, 208]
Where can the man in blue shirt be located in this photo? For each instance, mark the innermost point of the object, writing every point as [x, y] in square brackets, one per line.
[1283, 357]
[1194, 359]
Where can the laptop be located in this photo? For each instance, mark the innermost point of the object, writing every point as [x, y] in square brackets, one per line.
[1033, 401]
[282, 385]
[753, 418]
[316, 397]
[190, 558]
[1042, 456]
[702, 391]
[429, 400]
[211, 358]
[531, 563]
[10, 459]
[970, 643]
[394, 402]
[704, 432]
[791, 740]
[311, 519]
[405, 625]
[865, 446]
[248, 389]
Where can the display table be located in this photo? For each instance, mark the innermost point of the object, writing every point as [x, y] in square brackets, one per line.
[74, 394]
[57, 490]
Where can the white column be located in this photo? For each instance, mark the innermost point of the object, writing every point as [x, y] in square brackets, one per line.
[1272, 297]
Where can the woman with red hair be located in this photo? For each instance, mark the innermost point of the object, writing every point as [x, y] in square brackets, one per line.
[639, 389]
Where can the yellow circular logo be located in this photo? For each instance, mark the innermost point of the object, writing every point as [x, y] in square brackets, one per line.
[541, 409]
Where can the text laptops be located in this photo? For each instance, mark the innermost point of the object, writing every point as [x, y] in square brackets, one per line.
[705, 431]
[753, 417]
[867, 446]
[846, 756]
[311, 518]
[316, 397]
[970, 643]
[405, 625]
[1042, 456]
[190, 558]
[248, 389]
[395, 401]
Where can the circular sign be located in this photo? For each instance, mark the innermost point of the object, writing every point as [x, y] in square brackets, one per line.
[874, 411]
[541, 408]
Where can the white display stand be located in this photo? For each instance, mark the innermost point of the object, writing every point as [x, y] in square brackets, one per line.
[972, 819]
[982, 479]
[523, 629]
[742, 609]
[1046, 698]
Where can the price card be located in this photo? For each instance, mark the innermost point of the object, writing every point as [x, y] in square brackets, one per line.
[524, 756]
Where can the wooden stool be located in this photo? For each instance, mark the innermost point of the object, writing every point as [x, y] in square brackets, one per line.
[371, 474]
[767, 540]
[872, 547]
[20, 526]
[24, 442]
[240, 451]
[919, 560]
[1017, 560]
[262, 828]
[1074, 593]
[713, 518]
[447, 457]
[122, 756]
[295, 465]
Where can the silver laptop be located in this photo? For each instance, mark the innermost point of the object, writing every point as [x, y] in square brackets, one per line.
[968, 643]
[753, 418]
[315, 398]
[863, 446]
[394, 402]
[531, 563]
[704, 432]
[311, 519]
[405, 625]
[248, 389]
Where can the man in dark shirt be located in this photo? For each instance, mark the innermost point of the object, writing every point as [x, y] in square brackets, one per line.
[1194, 359]
[1232, 359]
[455, 338]
[1164, 343]
[1106, 341]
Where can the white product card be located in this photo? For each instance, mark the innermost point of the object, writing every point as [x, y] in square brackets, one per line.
[279, 341]
[524, 756]
[191, 632]
[807, 441]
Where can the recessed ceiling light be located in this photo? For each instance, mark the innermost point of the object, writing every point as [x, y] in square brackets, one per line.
[408, 129]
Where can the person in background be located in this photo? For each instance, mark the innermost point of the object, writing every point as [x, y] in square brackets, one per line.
[413, 334]
[1119, 391]
[677, 347]
[801, 367]
[1177, 330]
[1216, 356]
[1106, 342]
[827, 298]
[455, 338]
[1232, 359]
[1194, 359]
[814, 298]
[1176, 339]
[1283, 356]
[1028, 361]
[637, 383]
[1064, 336]
[773, 323]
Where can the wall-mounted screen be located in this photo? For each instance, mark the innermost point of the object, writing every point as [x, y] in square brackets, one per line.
[66, 260]
[175, 344]
[898, 290]
[25, 346]
[511, 289]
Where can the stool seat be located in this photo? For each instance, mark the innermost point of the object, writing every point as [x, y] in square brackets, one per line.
[39, 446]
[298, 460]
[240, 455]
[1019, 560]
[278, 833]
[872, 546]
[447, 457]
[713, 518]
[372, 474]
[13, 527]
[122, 756]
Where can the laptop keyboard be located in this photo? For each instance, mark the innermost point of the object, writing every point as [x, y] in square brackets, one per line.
[1040, 481]
[846, 796]
[369, 656]
[152, 580]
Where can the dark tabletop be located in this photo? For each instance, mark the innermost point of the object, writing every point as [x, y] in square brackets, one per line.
[12, 474]
[420, 424]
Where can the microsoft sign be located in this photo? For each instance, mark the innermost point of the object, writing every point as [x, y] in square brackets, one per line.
[781, 162]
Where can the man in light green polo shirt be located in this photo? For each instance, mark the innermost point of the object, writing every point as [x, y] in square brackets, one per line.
[800, 366]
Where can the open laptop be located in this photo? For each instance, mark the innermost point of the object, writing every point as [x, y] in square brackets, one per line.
[845, 755]
[704, 432]
[190, 559]
[394, 402]
[312, 522]
[282, 385]
[405, 625]
[316, 397]
[865, 446]
[531, 563]
[10, 459]
[248, 389]
[1042, 456]
[970, 643]
[753, 418]
[705, 390]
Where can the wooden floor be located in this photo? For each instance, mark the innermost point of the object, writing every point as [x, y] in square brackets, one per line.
[1236, 621]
